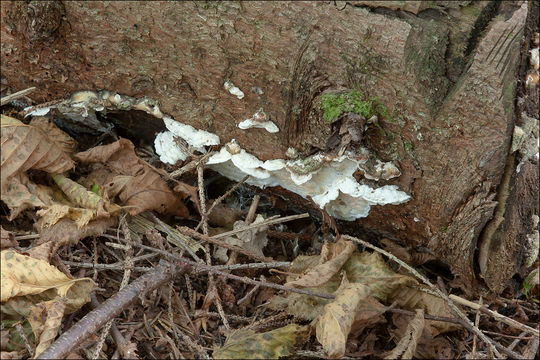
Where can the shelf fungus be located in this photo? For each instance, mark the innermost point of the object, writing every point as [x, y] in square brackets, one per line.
[233, 89]
[259, 120]
[326, 179]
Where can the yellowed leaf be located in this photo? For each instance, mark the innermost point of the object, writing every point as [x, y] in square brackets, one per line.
[23, 275]
[52, 214]
[46, 318]
[26, 147]
[337, 255]
[334, 325]
[246, 344]
[407, 344]
[79, 195]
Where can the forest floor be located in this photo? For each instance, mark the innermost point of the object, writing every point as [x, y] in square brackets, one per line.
[128, 258]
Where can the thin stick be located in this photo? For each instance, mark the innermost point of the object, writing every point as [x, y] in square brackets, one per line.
[264, 223]
[221, 198]
[119, 339]
[17, 95]
[198, 267]
[191, 165]
[249, 219]
[450, 303]
[475, 338]
[508, 321]
[95, 319]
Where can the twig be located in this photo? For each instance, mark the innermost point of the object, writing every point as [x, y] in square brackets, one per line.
[119, 340]
[508, 321]
[17, 95]
[191, 165]
[204, 268]
[252, 209]
[249, 219]
[248, 295]
[94, 320]
[190, 232]
[20, 331]
[202, 313]
[211, 283]
[178, 333]
[476, 321]
[450, 303]
[267, 222]
[125, 279]
[220, 199]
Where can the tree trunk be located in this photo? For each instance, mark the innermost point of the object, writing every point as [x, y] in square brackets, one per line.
[445, 72]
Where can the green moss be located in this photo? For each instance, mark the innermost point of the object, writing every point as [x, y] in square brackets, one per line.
[334, 105]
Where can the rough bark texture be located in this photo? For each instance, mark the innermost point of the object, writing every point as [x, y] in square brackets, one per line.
[446, 71]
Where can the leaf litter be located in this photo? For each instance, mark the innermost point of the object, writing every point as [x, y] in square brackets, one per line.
[338, 302]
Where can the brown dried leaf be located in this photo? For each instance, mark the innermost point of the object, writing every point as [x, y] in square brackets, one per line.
[329, 265]
[66, 232]
[26, 147]
[412, 298]
[139, 186]
[57, 136]
[407, 344]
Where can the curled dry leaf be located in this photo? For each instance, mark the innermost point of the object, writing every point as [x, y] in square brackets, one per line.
[26, 147]
[253, 240]
[407, 344]
[247, 344]
[46, 318]
[334, 325]
[138, 185]
[333, 256]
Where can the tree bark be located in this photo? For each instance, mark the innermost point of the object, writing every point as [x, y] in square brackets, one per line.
[445, 70]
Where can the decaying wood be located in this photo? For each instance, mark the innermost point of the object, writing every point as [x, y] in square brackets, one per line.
[446, 72]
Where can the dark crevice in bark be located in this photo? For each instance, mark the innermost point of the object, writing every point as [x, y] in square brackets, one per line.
[488, 13]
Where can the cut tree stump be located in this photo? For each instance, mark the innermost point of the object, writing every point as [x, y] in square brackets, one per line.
[446, 71]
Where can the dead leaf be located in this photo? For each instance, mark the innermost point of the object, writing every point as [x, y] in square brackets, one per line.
[246, 344]
[407, 344]
[7, 239]
[55, 135]
[253, 240]
[339, 253]
[138, 185]
[334, 325]
[412, 298]
[23, 275]
[26, 147]
[46, 318]
[66, 232]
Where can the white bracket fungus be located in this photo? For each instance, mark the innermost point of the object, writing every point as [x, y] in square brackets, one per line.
[326, 179]
[231, 88]
[259, 120]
